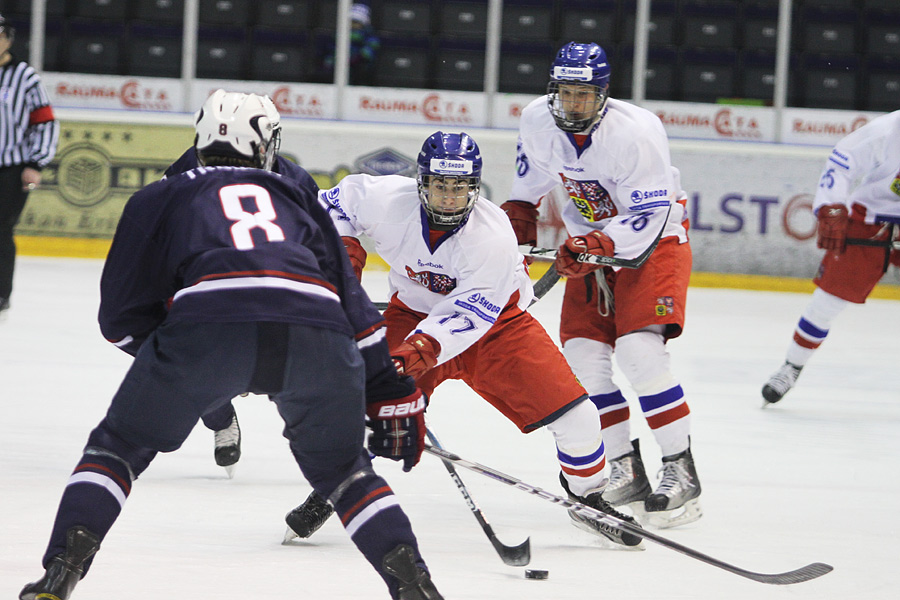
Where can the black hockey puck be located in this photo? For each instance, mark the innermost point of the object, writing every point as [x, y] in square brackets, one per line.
[536, 574]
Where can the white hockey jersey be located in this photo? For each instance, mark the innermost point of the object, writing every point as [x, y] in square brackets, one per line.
[462, 283]
[864, 169]
[621, 181]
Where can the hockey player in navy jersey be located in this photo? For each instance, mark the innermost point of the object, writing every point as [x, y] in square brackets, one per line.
[223, 421]
[225, 280]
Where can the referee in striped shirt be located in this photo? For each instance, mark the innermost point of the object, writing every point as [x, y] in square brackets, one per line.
[28, 138]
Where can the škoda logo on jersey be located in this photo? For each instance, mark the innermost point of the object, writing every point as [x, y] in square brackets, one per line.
[404, 409]
[895, 185]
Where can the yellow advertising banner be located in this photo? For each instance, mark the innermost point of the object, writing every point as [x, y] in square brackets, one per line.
[97, 167]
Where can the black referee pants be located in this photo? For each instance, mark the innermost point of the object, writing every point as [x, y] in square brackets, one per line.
[12, 202]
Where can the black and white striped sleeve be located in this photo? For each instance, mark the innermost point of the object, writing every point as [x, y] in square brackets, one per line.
[29, 132]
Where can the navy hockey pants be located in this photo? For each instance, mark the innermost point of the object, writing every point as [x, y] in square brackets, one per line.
[315, 377]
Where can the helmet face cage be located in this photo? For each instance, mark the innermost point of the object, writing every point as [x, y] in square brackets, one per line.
[238, 128]
[274, 146]
[575, 106]
[448, 198]
[449, 178]
[579, 86]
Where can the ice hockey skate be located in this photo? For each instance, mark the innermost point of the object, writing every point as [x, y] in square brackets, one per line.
[780, 382]
[228, 446]
[307, 518]
[64, 571]
[596, 501]
[415, 583]
[675, 502]
[628, 484]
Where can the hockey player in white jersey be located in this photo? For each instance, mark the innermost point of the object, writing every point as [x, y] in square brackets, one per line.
[621, 193]
[459, 290]
[857, 205]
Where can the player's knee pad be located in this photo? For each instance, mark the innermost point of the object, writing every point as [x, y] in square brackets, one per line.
[591, 361]
[577, 429]
[823, 308]
[105, 445]
[643, 359]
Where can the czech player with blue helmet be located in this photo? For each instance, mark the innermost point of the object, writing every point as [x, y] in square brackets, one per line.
[229, 279]
[605, 165]
[459, 291]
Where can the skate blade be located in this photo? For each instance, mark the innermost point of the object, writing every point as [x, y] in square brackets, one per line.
[605, 542]
[666, 519]
[289, 536]
[634, 509]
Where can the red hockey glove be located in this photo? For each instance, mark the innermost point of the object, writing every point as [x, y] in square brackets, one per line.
[356, 253]
[833, 221]
[596, 243]
[523, 217]
[416, 354]
[398, 428]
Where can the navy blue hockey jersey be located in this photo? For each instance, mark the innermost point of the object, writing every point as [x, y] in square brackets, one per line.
[227, 244]
[282, 166]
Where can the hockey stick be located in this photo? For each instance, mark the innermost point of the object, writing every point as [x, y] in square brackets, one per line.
[810, 571]
[516, 556]
[541, 286]
[606, 261]
[545, 283]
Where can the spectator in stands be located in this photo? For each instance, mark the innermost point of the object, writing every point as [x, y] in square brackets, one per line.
[28, 143]
[364, 45]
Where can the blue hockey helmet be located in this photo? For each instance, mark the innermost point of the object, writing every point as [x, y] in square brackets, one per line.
[449, 175]
[579, 86]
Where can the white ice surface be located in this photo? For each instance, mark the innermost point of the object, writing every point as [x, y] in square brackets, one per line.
[814, 478]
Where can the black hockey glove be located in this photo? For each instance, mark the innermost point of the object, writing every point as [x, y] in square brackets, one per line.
[398, 428]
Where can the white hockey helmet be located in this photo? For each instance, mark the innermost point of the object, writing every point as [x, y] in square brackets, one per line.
[239, 128]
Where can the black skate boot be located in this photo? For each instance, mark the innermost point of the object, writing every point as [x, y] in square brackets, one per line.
[228, 446]
[64, 571]
[780, 383]
[596, 501]
[675, 501]
[628, 484]
[415, 583]
[307, 518]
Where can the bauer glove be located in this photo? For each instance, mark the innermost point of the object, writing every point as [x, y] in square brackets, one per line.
[416, 355]
[832, 231]
[356, 253]
[398, 428]
[596, 243]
